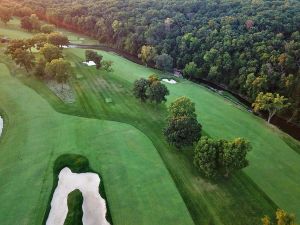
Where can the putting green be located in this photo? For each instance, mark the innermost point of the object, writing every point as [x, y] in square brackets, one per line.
[139, 188]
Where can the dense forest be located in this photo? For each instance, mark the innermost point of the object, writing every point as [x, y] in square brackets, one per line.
[247, 46]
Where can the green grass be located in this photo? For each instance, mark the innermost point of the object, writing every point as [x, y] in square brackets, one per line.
[269, 182]
[74, 216]
[137, 184]
[274, 166]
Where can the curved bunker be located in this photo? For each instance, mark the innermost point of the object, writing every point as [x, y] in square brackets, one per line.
[94, 207]
[1, 125]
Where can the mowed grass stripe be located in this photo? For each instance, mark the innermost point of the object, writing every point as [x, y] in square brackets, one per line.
[37, 135]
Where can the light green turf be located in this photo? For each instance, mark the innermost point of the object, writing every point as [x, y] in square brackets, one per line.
[274, 166]
[138, 187]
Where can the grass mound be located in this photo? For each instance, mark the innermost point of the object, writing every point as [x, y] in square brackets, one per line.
[75, 213]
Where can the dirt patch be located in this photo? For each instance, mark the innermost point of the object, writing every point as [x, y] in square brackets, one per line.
[66, 93]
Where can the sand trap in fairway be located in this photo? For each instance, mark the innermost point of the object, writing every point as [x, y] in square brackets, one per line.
[1, 125]
[90, 63]
[169, 81]
[93, 207]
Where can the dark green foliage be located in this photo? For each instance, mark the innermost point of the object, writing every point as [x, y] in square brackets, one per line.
[164, 62]
[151, 89]
[139, 89]
[182, 127]
[227, 40]
[91, 55]
[182, 131]
[220, 157]
[157, 92]
[75, 213]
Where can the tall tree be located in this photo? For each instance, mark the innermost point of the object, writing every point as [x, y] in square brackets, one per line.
[164, 62]
[271, 102]
[139, 89]
[50, 52]
[59, 69]
[47, 28]
[190, 70]
[221, 157]
[148, 54]
[58, 39]
[5, 14]
[23, 58]
[26, 23]
[182, 128]
[157, 92]
[182, 131]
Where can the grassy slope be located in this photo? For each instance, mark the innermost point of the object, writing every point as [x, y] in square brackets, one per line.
[274, 166]
[135, 178]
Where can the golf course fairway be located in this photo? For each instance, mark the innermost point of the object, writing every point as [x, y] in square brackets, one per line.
[146, 180]
[134, 176]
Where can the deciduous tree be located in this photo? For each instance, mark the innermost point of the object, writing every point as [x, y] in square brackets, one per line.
[270, 102]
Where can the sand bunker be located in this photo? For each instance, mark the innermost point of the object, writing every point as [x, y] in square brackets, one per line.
[1, 125]
[90, 63]
[169, 81]
[93, 207]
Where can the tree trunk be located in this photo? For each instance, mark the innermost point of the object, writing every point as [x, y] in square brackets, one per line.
[271, 114]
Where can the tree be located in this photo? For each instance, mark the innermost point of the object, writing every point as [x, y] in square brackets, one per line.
[182, 127]
[26, 23]
[59, 69]
[106, 65]
[35, 22]
[282, 218]
[58, 39]
[39, 70]
[182, 131]
[182, 106]
[50, 52]
[234, 155]
[157, 92]
[93, 56]
[40, 40]
[206, 156]
[148, 54]
[271, 102]
[23, 58]
[190, 70]
[164, 62]
[220, 157]
[14, 45]
[139, 89]
[47, 28]
[5, 14]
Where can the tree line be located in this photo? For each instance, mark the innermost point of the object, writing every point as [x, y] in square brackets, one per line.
[249, 46]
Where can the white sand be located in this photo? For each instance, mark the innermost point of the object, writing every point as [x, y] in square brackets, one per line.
[1, 125]
[90, 63]
[169, 81]
[93, 207]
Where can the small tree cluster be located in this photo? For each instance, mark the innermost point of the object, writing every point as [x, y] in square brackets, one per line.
[150, 89]
[49, 64]
[282, 218]
[93, 56]
[220, 157]
[31, 23]
[182, 127]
